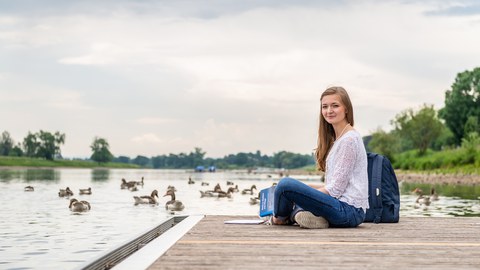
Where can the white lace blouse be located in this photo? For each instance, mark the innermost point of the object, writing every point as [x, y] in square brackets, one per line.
[346, 174]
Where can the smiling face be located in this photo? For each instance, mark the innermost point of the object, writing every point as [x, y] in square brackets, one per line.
[333, 110]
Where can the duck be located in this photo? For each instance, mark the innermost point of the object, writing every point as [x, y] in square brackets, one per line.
[79, 206]
[29, 188]
[190, 181]
[205, 184]
[172, 188]
[85, 191]
[173, 204]
[249, 190]
[433, 195]
[127, 185]
[152, 199]
[65, 192]
[230, 183]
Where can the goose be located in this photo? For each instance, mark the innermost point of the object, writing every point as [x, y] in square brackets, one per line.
[29, 188]
[86, 191]
[190, 181]
[79, 206]
[172, 188]
[152, 199]
[433, 195]
[417, 191]
[65, 192]
[249, 190]
[173, 204]
[223, 194]
[255, 200]
[127, 185]
[206, 193]
[217, 188]
[423, 200]
[140, 183]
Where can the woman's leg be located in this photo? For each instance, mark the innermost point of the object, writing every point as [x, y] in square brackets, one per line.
[291, 192]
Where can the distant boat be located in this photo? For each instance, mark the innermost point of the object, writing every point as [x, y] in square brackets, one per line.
[199, 169]
[212, 169]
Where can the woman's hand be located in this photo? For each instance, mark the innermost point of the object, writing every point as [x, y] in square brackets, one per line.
[319, 187]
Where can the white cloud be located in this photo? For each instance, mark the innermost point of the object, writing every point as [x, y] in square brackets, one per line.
[148, 138]
[242, 79]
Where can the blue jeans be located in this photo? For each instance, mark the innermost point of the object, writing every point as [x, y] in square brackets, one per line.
[292, 196]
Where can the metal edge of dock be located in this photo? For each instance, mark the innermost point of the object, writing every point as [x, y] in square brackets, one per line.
[141, 251]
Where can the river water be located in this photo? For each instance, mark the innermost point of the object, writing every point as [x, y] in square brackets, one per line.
[38, 231]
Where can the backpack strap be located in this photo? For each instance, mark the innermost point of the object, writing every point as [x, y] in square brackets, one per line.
[375, 187]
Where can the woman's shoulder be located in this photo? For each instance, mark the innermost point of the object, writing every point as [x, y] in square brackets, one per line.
[351, 136]
[351, 139]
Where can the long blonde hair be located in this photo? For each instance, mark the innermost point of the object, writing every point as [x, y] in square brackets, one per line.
[326, 133]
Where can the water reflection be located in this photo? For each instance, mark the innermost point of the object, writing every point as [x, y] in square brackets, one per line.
[30, 174]
[100, 174]
[461, 191]
[38, 231]
[42, 174]
[453, 200]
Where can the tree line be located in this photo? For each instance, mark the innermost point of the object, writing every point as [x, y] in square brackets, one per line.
[46, 145]
[282, 159]
[455, 125]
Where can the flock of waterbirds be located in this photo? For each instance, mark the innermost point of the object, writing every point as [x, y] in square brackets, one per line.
[172, 205]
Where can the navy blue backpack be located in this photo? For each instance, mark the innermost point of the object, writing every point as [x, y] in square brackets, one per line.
[383, 193]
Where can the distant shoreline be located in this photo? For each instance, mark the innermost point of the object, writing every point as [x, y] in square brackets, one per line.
[426, 177]
[438, 178]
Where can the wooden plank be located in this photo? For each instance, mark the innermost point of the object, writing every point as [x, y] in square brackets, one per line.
[416, 242]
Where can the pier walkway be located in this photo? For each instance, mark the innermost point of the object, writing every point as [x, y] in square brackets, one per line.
[413, 243]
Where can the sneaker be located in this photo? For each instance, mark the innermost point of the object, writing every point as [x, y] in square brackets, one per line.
[308, 220]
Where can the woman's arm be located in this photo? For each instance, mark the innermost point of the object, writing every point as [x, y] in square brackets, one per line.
[342, 169]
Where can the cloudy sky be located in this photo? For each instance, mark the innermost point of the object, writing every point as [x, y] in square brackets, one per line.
[229, 76]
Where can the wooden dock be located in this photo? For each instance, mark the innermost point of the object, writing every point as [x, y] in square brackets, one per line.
[198, 242]
[414, 243]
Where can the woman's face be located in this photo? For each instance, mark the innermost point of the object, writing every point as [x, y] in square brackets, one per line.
[333, 109]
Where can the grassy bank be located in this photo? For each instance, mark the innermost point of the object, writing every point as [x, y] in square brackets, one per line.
[453, 161]
[34, 162]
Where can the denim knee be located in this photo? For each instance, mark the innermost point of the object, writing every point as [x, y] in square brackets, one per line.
[285, 183]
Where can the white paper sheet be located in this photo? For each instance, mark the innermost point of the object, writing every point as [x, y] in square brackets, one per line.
[245, 221]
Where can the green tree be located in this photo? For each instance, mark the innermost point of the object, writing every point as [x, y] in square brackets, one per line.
[16, 151]
[422, 128]
[101, 152]
[6, 144]
[49, 146]
[384, 143]
[289, 160]
[141, 161]
[462, 102]
[445, 140]
[196, 157]
[30, 145]
[471, 125]
[43, 144]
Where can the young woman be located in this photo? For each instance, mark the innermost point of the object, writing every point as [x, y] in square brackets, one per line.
[340, 153]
